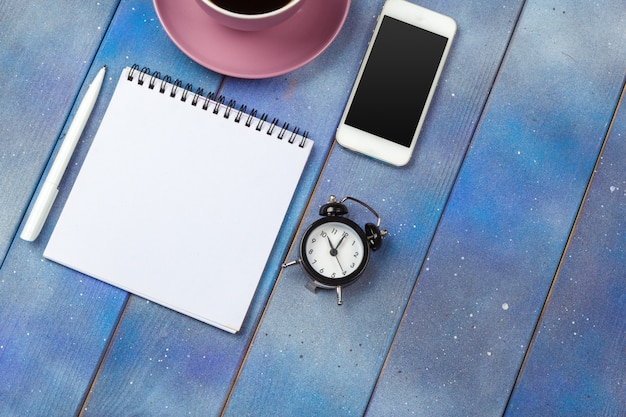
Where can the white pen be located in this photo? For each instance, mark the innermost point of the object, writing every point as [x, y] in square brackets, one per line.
[50, 187]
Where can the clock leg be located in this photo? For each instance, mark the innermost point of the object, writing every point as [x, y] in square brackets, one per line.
[311, 287]
[288, 264]
[339, 301]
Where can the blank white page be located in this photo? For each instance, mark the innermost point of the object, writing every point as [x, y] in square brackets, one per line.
[177, 204]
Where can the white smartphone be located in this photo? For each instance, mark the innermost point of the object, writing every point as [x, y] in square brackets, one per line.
[396, 82]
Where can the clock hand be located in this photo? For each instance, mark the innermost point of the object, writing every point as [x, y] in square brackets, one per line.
[333, 250]
[340, 267]
[340, 240]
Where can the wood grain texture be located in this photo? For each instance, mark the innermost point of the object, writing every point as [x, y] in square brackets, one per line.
[45, 53]
[54, 324]
[312, 357]
[493, 259]
[576, 363]
[443, 319]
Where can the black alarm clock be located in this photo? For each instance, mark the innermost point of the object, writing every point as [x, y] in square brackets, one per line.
[334, 250]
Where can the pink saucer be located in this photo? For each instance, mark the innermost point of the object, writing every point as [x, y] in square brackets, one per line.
[261, 54]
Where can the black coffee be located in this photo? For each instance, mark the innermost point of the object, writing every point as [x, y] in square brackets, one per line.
[251, 6]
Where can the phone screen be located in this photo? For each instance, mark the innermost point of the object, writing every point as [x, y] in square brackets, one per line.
[396, 80]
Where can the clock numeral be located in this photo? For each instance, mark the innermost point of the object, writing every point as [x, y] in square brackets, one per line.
[334, 275]
[313, 240]
[334, 231]
[356, 254]
[321, 270]
[323, 234]
[353, 242]
[310, 251]
[352, 265]
[314, 262]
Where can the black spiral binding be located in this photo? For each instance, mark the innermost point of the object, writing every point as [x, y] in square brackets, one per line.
[209, 101]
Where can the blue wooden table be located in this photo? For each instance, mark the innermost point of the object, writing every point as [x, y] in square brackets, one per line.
[500, 290]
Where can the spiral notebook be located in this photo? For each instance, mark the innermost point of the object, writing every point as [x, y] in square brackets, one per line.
[180, 198]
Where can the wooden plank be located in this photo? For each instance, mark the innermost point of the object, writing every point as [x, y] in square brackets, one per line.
[56, 323]
[52, 331]
[576, 362]
[312, 357]
[45, 53]
[491, 263]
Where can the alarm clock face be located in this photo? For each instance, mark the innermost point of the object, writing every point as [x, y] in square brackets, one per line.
[334, 251]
